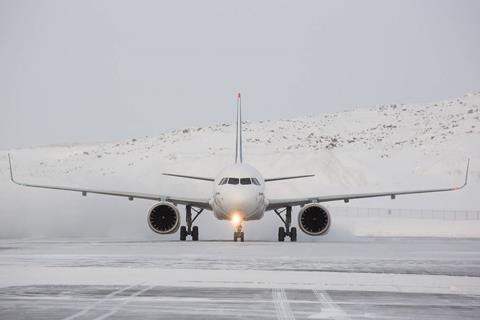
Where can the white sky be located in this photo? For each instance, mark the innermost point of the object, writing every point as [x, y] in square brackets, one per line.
[85, 71]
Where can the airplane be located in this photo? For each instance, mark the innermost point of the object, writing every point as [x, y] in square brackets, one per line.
[238, 195]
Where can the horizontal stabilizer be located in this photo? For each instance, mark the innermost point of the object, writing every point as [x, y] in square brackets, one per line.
[188, 177]
[288, 178]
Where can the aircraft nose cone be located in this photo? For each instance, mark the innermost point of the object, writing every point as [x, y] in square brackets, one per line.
[243, 202]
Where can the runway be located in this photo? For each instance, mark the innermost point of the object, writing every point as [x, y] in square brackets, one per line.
[360, 278]
[156, 302]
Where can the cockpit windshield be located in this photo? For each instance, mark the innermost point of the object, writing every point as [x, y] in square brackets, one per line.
[233, 180]
[245, 181]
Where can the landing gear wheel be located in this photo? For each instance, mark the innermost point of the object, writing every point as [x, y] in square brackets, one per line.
[293, 234]
[195, 233]
[190, 230]
[281, 234]
[237, 235]
[183, 233]
[286, 231]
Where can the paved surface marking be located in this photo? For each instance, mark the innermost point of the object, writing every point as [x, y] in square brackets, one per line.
[330, 310]
[119, 306]
[47, 302]
[282, 307]
[98, 302]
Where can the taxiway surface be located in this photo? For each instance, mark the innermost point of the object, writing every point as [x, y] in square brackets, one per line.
[356, 279]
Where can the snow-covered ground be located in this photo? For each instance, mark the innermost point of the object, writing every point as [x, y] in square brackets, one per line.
[362, 278]
[368, 149]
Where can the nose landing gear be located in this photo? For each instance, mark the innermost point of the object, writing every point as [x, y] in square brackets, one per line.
[286, 231]
[190, 230]
[238, 233]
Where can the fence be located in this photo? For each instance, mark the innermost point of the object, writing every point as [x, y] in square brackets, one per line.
[354, 212]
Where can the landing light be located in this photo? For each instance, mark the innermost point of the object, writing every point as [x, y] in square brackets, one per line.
[236, 219]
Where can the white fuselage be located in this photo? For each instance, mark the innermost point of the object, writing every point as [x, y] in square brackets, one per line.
[239, 190]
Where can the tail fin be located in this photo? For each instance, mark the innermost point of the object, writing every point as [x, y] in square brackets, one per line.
[238, 147]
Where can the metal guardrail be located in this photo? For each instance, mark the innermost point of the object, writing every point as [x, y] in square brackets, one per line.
[405, 213]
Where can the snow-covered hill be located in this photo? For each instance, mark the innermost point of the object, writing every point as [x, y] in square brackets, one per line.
[368, 149]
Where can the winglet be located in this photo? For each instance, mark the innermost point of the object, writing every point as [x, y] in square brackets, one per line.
[11, 171]
[466, 173]
[466, 176]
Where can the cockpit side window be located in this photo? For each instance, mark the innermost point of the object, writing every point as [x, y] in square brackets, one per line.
[245, 181]
[255, 181]
[223, 181]
[233, 180]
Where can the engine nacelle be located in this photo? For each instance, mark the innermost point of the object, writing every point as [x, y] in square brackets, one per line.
[164, 218]
[314, 219]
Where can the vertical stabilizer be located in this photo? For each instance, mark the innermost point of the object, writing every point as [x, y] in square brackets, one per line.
[238, 145]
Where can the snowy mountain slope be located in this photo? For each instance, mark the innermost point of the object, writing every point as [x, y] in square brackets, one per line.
[368, 149]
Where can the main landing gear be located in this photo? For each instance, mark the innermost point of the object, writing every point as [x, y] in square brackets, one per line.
[286, 231]
[189, 230]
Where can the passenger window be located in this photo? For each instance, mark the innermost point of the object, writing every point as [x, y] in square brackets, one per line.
[233, 180]
[255, 181]
[245, 181]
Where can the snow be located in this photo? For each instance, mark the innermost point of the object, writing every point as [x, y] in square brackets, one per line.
[415, 265]
[387, 147]
[365, 277]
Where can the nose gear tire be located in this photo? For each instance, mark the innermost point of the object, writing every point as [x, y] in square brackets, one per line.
[238, 235]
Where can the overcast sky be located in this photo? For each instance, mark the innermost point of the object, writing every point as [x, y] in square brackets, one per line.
[86, 71]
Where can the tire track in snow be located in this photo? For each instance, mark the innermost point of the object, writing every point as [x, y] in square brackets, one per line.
[330, 310]
[98, 302]
[119, 306]
[282, 307]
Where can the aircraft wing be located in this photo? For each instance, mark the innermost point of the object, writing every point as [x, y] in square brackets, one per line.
[199, 203]
[280, 203]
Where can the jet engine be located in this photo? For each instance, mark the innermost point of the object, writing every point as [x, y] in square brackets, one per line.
[314, 219]
[164, 218]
